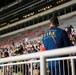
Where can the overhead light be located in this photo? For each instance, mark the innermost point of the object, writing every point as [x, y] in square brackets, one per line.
[14, 19]
[44, 8]
[59, 1]
[38, 10]
[48, 7]
[28, 15]
[25, 16]
[3, 24]
[62, 0]
[32, 14]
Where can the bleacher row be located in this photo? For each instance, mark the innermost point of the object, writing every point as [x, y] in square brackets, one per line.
[68, 21]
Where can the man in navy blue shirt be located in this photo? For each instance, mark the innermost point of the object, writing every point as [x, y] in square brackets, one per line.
[61, 39]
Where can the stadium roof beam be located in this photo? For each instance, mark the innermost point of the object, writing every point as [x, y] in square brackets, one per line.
[15, 11]
[10, 5]
[36, 25]
[40, 14]
[31, 9]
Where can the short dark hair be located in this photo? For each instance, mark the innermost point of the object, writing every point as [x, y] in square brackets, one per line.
[6, 54]
[54, 21]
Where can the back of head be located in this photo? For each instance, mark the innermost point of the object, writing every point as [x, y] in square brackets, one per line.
[6, 54]
[54, 21]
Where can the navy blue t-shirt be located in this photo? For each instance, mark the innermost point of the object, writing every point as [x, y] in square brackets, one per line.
[60, 36]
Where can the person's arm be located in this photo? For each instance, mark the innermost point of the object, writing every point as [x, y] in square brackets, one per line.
[66, 39]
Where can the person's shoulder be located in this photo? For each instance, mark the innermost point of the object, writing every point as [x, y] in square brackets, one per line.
[56, 28]
[60, 30]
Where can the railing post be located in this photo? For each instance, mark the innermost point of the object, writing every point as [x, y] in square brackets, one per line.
[72, 67]
[31, 69]
[3, 70]
[42, 66]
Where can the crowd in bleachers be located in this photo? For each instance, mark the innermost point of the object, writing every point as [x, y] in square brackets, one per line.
[32, 46]
[71, 34]
[22, 48]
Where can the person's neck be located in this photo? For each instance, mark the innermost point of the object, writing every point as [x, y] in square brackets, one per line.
[52, 26]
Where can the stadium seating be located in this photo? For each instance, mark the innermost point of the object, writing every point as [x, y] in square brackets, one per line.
[68, 21]
[37, 32]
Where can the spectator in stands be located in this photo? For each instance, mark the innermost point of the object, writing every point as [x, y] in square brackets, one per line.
[0, 54]
[70, 28]
[55, 38]
[7, 68]
[75, 42]
[6, 54]
[33, 50]
[68, 31]
[72, 31]
[42, 48]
